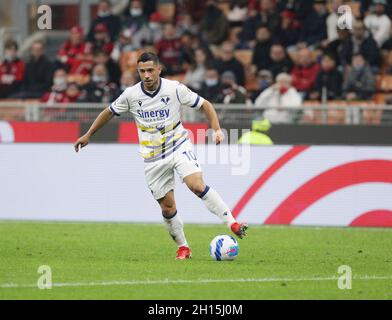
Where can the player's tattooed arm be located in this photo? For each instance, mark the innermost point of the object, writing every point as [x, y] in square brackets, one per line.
[104, 117]
[212, 117]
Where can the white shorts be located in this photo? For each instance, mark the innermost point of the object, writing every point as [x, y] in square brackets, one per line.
[160, 174]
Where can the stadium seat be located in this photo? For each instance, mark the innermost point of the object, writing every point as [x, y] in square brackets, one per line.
[372, 116]
[311, 116]
[384, 83]
[380, 98]
[336, 116]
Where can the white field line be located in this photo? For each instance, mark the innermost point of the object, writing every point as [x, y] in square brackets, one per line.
[196, 281]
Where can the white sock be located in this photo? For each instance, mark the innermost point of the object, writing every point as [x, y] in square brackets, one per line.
[217, 206]
[175, 226]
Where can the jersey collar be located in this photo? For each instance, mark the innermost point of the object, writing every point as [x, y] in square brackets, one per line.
[151, 95]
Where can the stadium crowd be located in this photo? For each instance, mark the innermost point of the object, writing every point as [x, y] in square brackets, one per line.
[263, 52]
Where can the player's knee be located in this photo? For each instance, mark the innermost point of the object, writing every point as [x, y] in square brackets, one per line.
[197, 188]
[168, 209]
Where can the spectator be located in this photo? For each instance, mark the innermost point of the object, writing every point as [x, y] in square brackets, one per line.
[231, 91]
[56, 95]
[387, 46]
[58, 90]
[105, 16]
[125, 43]
[336, 48]
[134, 18]
[278, 99]
[238, 12]
[305, 72]
[290, 29]
[214, 25]
[11, 70]
[267, 15]
[228, 62]
[128, 79]
[279, 61]
[73, 92]
[302, 9]
[378, 22]
[114, 72]
[136, 21]
[314, 28]
[211, 89]
[75, 54]
[101, 40]
[361, 41]
[195, 75]
[187, 51]
[99, 89]
[38, 74]
[360, 82]
[389, 63]
[186, 24]
[149, 7]
[261, 51]
[155, 28]
[264, 80]
[169, 50]
[329, 81]
[332, 21]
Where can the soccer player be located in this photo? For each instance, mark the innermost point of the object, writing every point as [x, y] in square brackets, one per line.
[155, 105]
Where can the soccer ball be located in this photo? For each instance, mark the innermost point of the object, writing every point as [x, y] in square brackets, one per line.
[223, 247]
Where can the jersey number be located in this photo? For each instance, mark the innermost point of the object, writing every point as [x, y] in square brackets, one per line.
[190, 155]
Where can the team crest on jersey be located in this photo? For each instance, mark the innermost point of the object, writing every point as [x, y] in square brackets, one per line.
[165, 100]
[140, 103]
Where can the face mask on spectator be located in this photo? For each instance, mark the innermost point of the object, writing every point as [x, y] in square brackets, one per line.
[154, 25]
[8, 56]
[137, 12]
[211, 82]
[99, 79]
[60, 83]
[263, 84]
[283, 90]
[358, 67]
[103, 14]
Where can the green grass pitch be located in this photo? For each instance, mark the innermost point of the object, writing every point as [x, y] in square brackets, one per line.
[136, 261]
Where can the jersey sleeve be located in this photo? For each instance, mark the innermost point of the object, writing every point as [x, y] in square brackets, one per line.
[188, 98]
[120, 105]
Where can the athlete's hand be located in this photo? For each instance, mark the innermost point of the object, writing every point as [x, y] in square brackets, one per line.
[82, 142]
[218, 136]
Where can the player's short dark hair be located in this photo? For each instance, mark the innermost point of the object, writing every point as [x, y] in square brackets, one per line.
[148, 56]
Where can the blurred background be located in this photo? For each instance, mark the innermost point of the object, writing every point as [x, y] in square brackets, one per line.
[283, 61]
